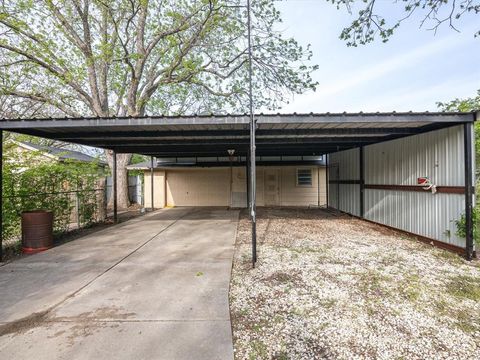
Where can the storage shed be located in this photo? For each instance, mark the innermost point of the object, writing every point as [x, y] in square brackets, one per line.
[410, 171]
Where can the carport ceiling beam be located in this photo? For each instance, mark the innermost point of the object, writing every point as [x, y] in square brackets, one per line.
[126, 135]
[227, 142]
[222, 150]
[242, 152]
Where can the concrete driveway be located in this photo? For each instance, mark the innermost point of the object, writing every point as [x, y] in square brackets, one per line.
[154, 287]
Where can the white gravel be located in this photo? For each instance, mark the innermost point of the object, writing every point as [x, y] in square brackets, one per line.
[333, 287]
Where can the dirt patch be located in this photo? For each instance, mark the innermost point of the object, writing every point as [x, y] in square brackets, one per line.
[21, 326]
[281, 278]
[81, 326]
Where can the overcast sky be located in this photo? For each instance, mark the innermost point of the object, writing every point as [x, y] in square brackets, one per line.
[412, 71]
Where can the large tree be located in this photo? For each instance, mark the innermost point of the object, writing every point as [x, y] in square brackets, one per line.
[139, 57]
[372, 20]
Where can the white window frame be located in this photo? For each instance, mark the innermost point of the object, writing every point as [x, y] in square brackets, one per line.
[311, 177]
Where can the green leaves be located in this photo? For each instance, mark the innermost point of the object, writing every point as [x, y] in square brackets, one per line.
[32, 181]
[369, 23]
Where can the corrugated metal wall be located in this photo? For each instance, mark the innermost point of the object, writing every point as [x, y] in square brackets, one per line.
[439, 155]
[343, 172]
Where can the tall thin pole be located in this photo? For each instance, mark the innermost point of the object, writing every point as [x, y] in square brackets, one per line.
[469, 247]
[327, 189]
[1, 195]
[151, 181]
[362, 181]
[114, 192]
[253, 195]
[247, 176]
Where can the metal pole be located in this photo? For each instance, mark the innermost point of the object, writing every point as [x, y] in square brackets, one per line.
[326, 178]
[468, 190]
[362, 182]
[151, 181]
[318, 186]
[253, 207]
[247, 177]
[114, 188]
[1, 195]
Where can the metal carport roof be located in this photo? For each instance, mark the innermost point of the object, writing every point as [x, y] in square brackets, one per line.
[213, 135]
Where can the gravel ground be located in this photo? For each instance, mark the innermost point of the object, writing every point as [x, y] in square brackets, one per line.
[333, 287]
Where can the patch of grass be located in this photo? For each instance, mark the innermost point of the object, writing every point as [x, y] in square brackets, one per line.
[441, 306]
[281, 277]
[466, 322]
[448, 256]
[278, 319]
[327, 303]
[306, 250]
[199, 273]
[258, 350]
[372, 282]
[410, 288]
[298, 311]
[281, 355]
[257, 328]
[387, 258]
[464, 318]
[464, 287]
[241, 313]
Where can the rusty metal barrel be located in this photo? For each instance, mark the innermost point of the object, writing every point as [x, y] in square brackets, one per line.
[37, 231]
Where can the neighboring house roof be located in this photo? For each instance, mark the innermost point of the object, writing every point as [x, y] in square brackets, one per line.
[140, 166]
[61, 154]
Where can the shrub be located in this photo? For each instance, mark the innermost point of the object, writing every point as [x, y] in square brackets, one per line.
[461, 226]
[32, 182]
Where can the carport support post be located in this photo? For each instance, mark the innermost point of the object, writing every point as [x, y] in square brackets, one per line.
[362, 182]
[253, 185]
[247, 177]
[1, 195]
[326, 179]
[151, 181]
[468, 190]
[114, 187]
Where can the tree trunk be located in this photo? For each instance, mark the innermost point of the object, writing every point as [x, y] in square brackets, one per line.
[122, 179]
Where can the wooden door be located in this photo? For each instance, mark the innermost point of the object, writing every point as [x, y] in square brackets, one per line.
[272, 187]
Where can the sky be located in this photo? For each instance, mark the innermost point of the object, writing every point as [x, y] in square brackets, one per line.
[414, 70]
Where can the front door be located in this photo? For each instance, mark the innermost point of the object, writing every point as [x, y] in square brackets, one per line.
[272, 188]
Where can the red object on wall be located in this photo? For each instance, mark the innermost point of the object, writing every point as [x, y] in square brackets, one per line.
[422, 180]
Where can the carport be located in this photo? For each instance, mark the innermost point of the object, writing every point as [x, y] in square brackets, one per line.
[410, 171]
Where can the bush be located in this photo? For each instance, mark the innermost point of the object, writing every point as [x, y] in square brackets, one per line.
[31, 181]
[461, 225]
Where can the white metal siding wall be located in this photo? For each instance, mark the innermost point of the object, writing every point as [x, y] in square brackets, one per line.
[438, 155]
[344, 197]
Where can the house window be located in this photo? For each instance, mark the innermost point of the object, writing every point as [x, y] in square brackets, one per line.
[304, 177]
